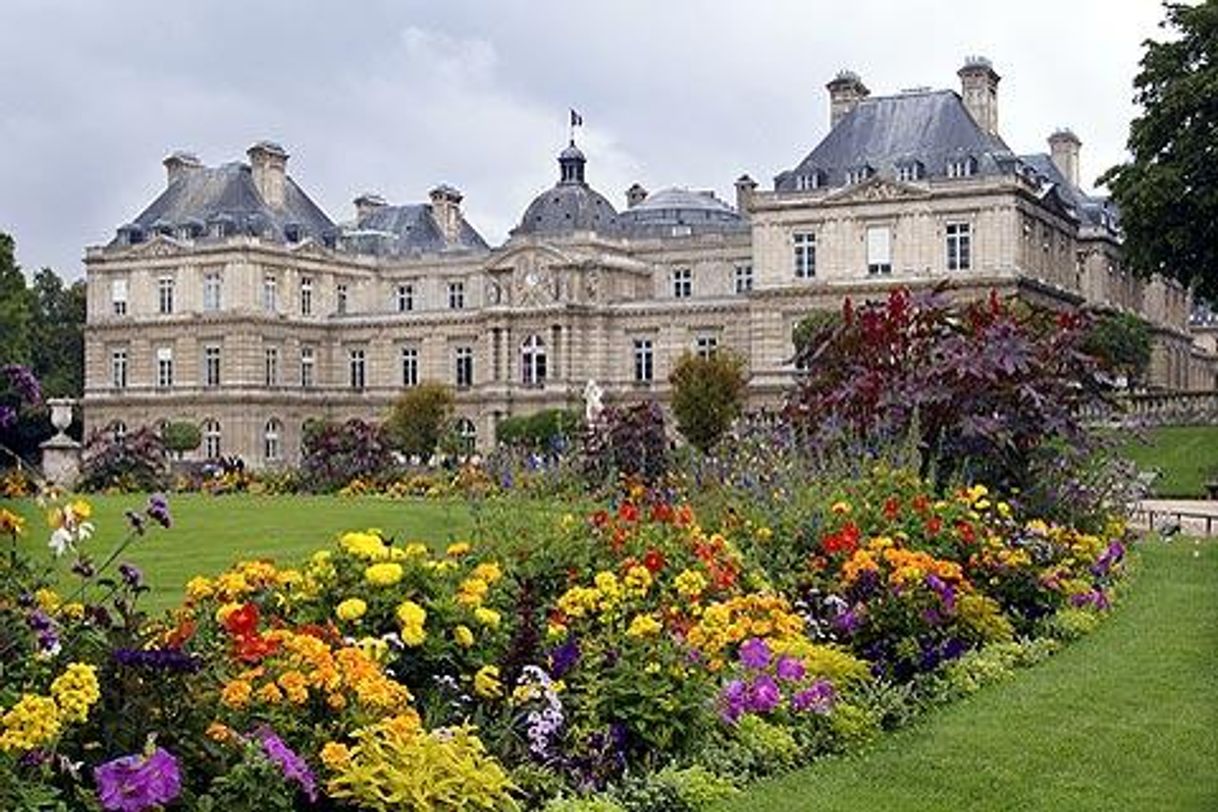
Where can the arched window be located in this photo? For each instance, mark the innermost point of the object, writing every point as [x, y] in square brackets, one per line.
[270, 439]
[118, 430]
[467, 434]
[211, 439]
[533, 361]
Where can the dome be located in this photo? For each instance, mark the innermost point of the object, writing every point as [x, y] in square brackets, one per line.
[571, 205]
[679, 212]
[678, 199]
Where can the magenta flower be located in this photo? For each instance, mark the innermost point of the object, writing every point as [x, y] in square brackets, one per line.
[755, 654]
[293, 767]
[817, 698]
[764, 695]
[790, 669]
[135, 783]
[733, 701]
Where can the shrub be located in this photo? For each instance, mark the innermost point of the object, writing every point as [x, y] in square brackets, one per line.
[134, 462]
[547, 430]
[420, 419]
[627, 442]
[708, 395]
[333, 454]
[180, 437]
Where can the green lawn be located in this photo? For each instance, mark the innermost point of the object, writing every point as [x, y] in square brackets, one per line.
[211, 532]
[1124, 719]
[1187, 456]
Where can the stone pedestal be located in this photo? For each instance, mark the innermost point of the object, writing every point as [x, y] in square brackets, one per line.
[61, 461]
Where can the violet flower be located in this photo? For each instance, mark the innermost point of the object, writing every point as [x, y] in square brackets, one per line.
[755, 654]
[817, 698]
[790, 669]
[158, 509]
[131, 575]
[293, 767]
[135, 783]
[764, 694]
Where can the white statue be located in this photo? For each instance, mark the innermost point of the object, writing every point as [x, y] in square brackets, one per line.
[592, 401]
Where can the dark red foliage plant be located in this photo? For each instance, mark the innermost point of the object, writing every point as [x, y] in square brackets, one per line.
[981, 387]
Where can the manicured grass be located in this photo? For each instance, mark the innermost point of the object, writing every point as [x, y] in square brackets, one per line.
[1187, 456]
[211, 532]
[1124, 719]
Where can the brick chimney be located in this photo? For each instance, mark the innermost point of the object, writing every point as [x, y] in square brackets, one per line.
[446, 211]
[979, 89]
[635, 195]
[845, 92]
[1064, 148]
[745, 186]
[367, 203]
[179, 164]
[268, 163]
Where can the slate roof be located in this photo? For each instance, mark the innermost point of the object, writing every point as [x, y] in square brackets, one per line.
[680, 212]
[407, 230]
[932, 127]
[225, 196]
[571, 205]
[1099, 212]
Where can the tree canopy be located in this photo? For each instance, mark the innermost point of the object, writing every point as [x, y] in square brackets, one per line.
[1168, 192]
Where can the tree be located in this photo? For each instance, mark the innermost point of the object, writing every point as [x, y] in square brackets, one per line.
[57, 333]
[1168, 193]
[180, 437]
[708, 394]
[16, 307]
[1122, 342]
[541, 431]
[420, 418]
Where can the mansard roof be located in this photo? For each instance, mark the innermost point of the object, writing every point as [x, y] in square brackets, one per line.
[1091, 210]
[226, 195]
[931, 127]
[407, 230]
[680, 212]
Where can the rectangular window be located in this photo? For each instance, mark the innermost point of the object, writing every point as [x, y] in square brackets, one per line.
[358, 369]
[910, 171]
[857, 175]
[306, 296]
[959, 247]
[410, 366]
[118, 369]
[644, 368]
[879, 250]
[342, 299]
[405, 298]
[211, 291]
[271, 366]
[164, 290]
[682, 283]
[211, 365]
[465, 367]
[705, 345]
[118, 296]
[270, 293]
[805, 183]
[960, 168]
[456, 295]
[307, 374]
[805, 256]
[744, 277]
[164, 367]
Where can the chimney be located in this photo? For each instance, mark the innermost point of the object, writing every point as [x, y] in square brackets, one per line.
[446, 211]
[367, 203]
[845, 92]
[268, 162]
[745, 186]
[1064, 147]
[179, 164]
[979, 89]
[635, 195]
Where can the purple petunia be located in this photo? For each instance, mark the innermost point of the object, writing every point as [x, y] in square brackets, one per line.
[790, 669]
[294, 767]
[136, 783]
[158, 659]
[848, 621]
[755, 654]
[564, 657]
[733, 700]
[158, 509]
[817, 698]
[764, 694]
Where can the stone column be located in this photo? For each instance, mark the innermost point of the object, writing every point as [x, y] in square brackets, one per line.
[61, 454]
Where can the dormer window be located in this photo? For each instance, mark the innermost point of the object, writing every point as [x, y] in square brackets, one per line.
[910, 171]
[857, 174]
[962, 167]
[291, 232]
[808, 181]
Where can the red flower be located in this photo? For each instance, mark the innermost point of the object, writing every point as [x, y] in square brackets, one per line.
[628, 512]
[662, 512]
[966, 532]
[845, 540]
[242, 622]
[920, 503]
[685, 516]
[653, 560]
[933, 525]
[252, 648]
[892, 508]
[600, 518]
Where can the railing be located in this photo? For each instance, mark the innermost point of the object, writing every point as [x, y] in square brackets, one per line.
[1159, 409]
[1173, 521]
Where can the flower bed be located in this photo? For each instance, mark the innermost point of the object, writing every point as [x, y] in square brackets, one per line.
[642, 657]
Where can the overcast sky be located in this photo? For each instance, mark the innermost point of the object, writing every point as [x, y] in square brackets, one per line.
[396, 97]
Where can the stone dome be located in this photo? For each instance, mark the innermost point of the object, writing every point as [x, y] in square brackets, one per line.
[571, 205]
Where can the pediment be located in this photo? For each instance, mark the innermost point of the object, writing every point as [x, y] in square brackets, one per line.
[309, 247]
[877, 189]
[160, 245]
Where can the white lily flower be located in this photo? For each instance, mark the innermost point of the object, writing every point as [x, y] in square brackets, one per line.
[61, 541]
[84, 531]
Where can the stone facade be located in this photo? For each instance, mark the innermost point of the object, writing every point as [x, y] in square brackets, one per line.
[234, 302]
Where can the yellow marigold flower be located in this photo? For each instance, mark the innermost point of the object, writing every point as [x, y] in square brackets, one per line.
[463, 636]
[374, 648]
[489, 571]
[225, 610]
[270, 694]
[607, 583]
[383, 574]
[364, 545]
[644, 626]
[236, 694]
[336, 701]
[335, 756]
[351, 609]
[81, 509]
[199, 588]
[219, 732]
[294, 686]
[472, 591]
[459, 549]
[690, 583]
[75, 691]
[486, 682]
[487, 617]
[763, 534]
[415, 550]
[11, 523]
[73, 611]
[638, 579]
[841, 508]
[411, 614]
[33, 722]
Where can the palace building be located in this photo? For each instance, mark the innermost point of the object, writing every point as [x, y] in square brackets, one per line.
[235, 302]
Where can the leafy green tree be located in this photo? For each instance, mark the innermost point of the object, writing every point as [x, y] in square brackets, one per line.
[420, 418]
[181, 436]
[540, 430]
[1168, 193]
[708, 394]
[57, 332]
[812, 325]
[16, 307]
[1122, 342]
